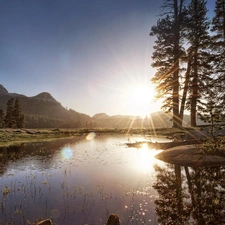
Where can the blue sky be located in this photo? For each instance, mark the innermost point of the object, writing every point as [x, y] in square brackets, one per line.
[89, 54]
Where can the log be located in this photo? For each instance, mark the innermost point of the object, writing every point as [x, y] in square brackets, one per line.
[45, 222]
[164, 145]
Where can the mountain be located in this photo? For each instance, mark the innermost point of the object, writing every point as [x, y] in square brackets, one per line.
[44, 96]
[154, 120]
[43, 111]
[3, 90]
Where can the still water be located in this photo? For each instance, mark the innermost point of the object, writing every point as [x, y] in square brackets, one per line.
[82, 180]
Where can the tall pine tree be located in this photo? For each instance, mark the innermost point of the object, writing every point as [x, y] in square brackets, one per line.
[2, 116]
[198, 39]
[167, 56]
[14, 117]
[17, 114]
[9, 117]
[218, 45]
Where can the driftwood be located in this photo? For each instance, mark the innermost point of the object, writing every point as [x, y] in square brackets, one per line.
[45, 222]
[164, 145]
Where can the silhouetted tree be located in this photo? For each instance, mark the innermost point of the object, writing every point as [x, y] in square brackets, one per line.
[2, 116]
[218, 47]
[211, 109]
[14, 117]
[198, 39]
[167, 55]
[9, 118]
[17, 114]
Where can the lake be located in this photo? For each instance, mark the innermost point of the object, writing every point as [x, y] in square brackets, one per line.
[84, 179]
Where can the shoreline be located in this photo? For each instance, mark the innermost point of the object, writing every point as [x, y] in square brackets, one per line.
[16, 137]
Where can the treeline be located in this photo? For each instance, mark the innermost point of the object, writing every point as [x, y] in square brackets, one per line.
[189, 55]
[13, 117]
[41, 121]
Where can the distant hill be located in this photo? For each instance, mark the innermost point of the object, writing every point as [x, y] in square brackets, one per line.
[154, 120]
[43, 111]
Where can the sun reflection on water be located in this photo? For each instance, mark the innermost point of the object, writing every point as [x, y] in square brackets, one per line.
[145, 159]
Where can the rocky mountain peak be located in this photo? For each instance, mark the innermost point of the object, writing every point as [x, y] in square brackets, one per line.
[100, 116]
[3, 90]
[45, 96]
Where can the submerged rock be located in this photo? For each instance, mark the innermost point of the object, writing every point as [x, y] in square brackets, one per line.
[113, 220]
[190, 155]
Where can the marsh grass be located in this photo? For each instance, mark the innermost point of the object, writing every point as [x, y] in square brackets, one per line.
[16, 137]
[26, 197]
[34, 194]
[213, 146]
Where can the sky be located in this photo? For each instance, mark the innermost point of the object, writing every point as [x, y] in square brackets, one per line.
[92, 56]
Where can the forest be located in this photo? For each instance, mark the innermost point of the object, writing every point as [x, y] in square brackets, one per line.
[13, 118]
[189, 58]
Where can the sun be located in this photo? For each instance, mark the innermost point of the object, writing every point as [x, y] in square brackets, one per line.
[142, 100]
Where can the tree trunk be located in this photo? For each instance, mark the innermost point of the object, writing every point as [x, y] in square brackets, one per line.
[186, 83]
[176, 117]
[194, 90]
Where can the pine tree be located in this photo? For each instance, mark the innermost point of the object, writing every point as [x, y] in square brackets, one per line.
[218, 45]
[17, 114]
[199, 41]
[9, 118]
[167, 56]
[211, 109]
[2, 116]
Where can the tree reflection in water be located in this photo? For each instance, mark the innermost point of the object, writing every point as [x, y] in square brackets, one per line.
[190, 195]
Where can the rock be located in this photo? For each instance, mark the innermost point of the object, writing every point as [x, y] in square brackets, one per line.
[45, 222]
[113, 220]
[190, 155]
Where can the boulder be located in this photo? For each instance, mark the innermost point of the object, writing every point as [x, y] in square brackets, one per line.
[190, 155]
[113, 220]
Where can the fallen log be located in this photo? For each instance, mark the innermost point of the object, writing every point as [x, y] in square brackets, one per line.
[45, 222]
[164, 145]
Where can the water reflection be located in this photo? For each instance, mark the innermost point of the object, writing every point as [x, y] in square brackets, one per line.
[77, 181]
[190, 195]
[80, 181]
[145, 159]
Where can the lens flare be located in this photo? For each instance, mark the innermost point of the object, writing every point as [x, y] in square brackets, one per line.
[90, 136]
[67, 153]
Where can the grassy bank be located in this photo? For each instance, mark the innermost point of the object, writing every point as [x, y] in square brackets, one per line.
[10, 137]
